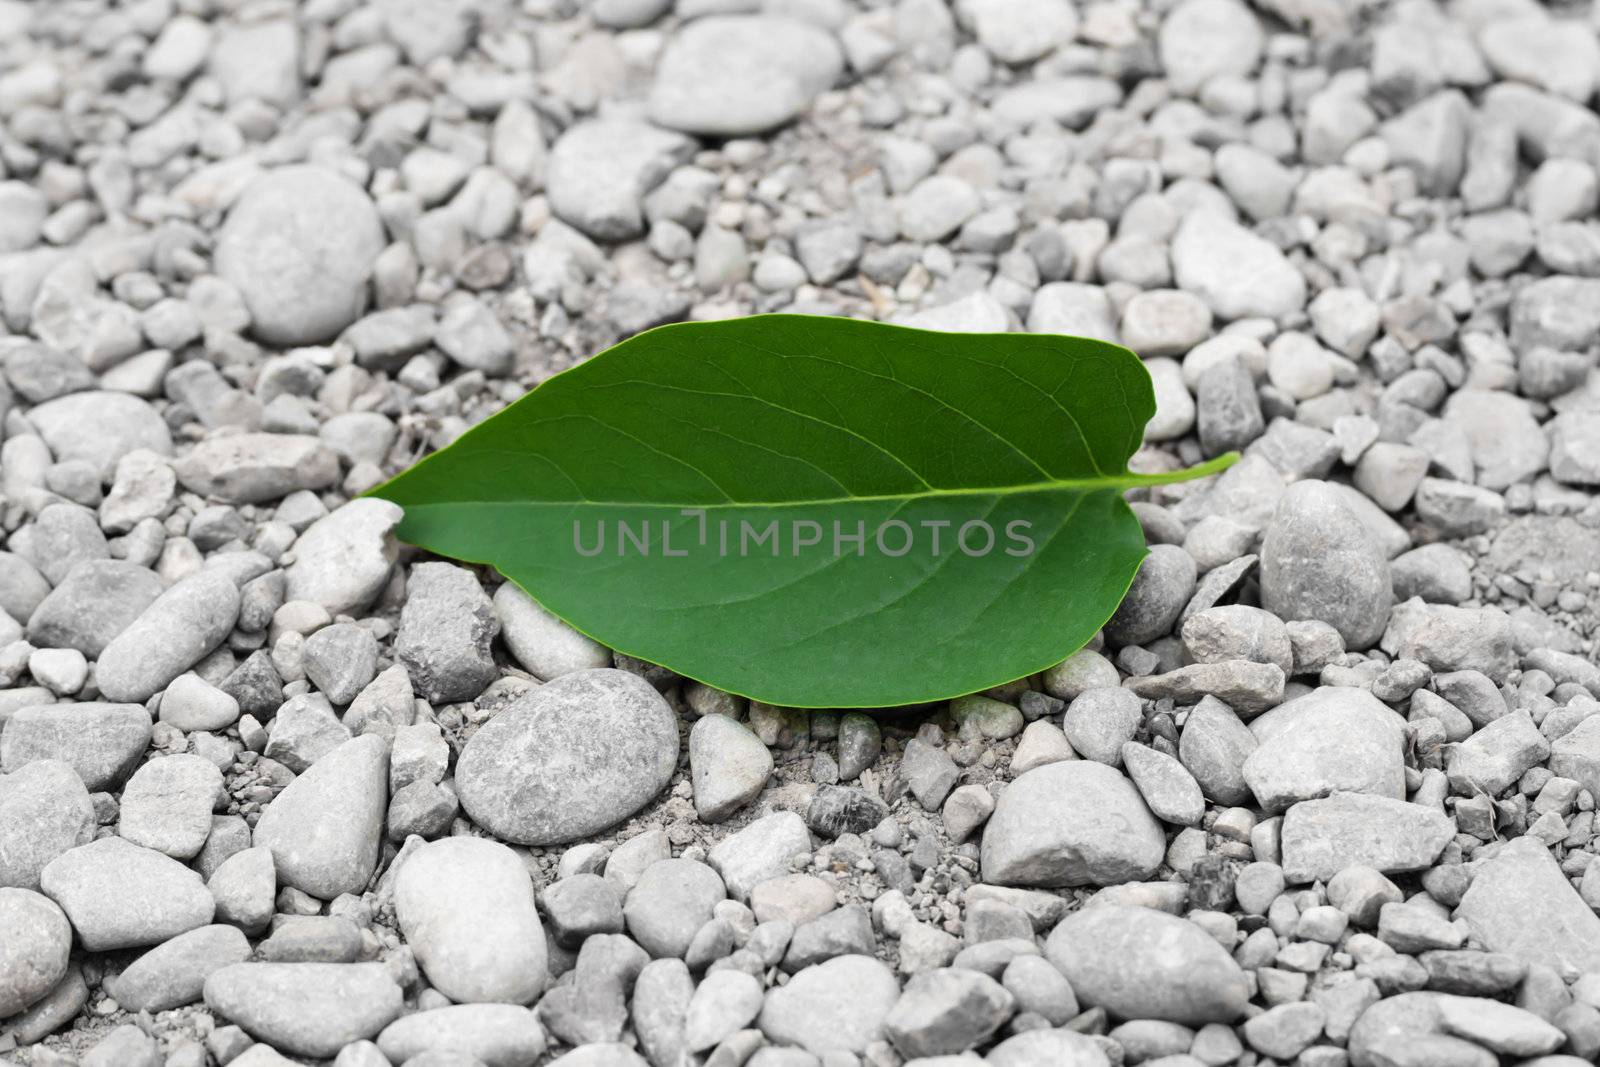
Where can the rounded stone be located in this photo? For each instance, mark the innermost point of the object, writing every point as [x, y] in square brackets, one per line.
[174, 973]
[835, 1006]
[730, 76]
[119, 895]
[501, 1035]
[306, 1009]
[102, 743]
[46, 810]
[325, 828]
[35, 941]
[728, 765]
[570, 759]
[1138, 963]
[1318, 561]
[97, 600]
[466, 907]
[669, 904]
[167, 804]
[299, 245]
[101, 428]
[1164, 584]
[542, 643]
[1071, 823]
[344, 559]
[178, 630]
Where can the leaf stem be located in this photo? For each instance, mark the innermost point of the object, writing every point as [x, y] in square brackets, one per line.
[1188, 474]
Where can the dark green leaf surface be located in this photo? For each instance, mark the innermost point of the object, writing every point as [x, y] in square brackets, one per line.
[790, 417]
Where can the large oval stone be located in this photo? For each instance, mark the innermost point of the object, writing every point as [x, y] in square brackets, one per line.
[570, 759]
[466, 907]
[119, 895]
[1138, 963]
[306, 1009]
[299, 245]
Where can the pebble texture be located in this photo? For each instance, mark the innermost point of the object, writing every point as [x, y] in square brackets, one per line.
[276, 788]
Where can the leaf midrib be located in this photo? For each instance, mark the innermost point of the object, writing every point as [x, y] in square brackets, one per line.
[1118, 481]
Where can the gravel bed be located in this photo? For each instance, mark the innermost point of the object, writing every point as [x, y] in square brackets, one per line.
[276, 789]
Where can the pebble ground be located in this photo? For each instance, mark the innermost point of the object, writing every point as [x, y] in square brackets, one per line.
[275, 789]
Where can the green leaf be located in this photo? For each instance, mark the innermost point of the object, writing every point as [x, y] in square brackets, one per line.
[786, 418]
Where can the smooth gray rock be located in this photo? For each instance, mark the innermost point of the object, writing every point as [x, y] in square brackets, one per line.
[1235, 272]
[101, 428]
[603, 735]
[57, 1008]
[1213, 747]
[725, 1001]
[670, 902]
[245, 886]
[1100, 721]
[836, 1006]
[736, 75]
[1164, 584]
[1497, 756]
[306, 1009]
[660, 1002]
[35, 941]
[179, 629]
[601, 1054]
[466, 907]
[343, 560]
[1169, 790]
[1055, 1048]
[103, 743]
[299, 245]
[1072, 823]
[1143, 964]
[340, 660]
[1449, 638]
[96, 601]
[946, 1011]
[1319, 562]
[325, 828]
[580, 905]
[542, 643]
[1205, 39]
[22, 587]
[167, 804]
[174, 973]
[501, 1035]
[1238, 631]
[592, 1006]
[63, 536]
[600, 170]
[46, 810]
[728, 765]
[1408, 1026]
[119, 895]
